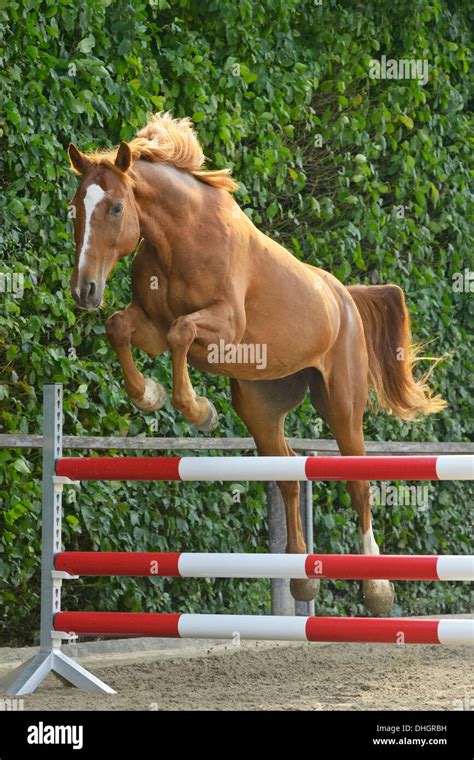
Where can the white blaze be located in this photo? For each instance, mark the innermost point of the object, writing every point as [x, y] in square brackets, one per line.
[93, 196]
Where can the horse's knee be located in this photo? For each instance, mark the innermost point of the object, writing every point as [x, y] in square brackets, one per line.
[117, 329]
[181, 333]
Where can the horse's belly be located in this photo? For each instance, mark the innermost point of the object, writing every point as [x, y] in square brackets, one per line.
[269, 349]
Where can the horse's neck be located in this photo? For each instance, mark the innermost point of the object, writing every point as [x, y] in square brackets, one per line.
[166, 200]
[188, 225]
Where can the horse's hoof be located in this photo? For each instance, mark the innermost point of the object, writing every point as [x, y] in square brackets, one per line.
[378, 596]
[210, 421]
[304, 590]
[153, 398]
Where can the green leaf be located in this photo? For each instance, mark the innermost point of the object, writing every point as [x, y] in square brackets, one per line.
[407, 121]
[272, 209]
[86, 45]
[125, 47]
[21, 466]
[14, 117]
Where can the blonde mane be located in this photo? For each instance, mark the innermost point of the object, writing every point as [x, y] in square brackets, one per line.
[170, 141]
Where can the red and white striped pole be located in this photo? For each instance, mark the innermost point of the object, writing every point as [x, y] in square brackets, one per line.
[205, 565]
[276, 628]
[449, 467]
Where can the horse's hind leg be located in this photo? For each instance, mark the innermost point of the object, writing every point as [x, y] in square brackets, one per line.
[340, 399]
[263, 406]
[133, 327]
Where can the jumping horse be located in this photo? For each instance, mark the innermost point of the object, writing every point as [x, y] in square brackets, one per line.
[204, 275]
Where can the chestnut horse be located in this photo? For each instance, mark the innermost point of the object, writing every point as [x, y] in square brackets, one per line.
[204, 278]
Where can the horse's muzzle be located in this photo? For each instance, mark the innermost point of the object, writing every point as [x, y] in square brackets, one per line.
[88, 294]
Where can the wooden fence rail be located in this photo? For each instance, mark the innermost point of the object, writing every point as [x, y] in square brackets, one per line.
[149, 443]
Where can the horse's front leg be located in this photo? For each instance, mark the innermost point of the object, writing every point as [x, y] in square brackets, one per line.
[206, 326]
[133, 327]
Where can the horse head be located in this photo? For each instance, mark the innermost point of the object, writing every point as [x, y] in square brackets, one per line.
[106, 224]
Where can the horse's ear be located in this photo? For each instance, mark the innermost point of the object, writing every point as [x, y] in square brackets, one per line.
[124, 157]
[79, 161]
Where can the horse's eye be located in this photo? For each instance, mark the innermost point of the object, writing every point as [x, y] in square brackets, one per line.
[116, 209]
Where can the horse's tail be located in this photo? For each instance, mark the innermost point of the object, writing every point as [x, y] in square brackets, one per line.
[391, 352]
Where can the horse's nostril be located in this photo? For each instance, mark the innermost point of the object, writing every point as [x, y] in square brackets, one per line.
[87, 292]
